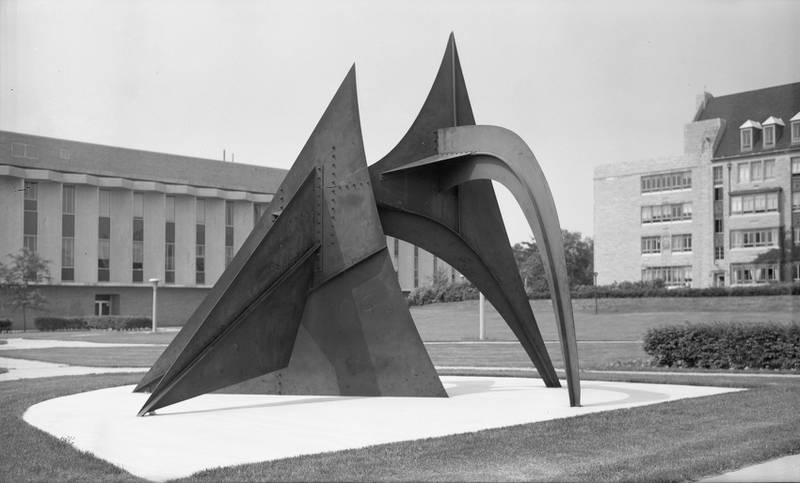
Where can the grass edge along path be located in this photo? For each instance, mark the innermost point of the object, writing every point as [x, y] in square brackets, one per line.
[678, 440]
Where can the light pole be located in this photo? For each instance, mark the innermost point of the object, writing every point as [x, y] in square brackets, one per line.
[154, 281]
[481, 322]
[595, 291]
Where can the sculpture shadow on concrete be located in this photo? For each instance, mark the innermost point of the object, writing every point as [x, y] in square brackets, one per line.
[311, 304]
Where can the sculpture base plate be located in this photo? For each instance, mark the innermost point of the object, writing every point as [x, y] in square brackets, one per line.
[230, 429]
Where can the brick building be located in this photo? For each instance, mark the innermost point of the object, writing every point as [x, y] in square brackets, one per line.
[108, 219]
[725, 212]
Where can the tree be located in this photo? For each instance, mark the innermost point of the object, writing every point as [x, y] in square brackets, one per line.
[18, 281]
[579, 254]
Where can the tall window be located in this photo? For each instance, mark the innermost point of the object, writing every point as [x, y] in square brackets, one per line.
[796, 131]
[744, 173]
[416, 266]
[681, 243]
[717, 172]
[137, 268]
[169, 241]
[769, 136]
[746, 139]
[104, 237]
[68, 233]
[651, 244]
[769, 168]
[30, 208]
[796, 164]
[228, 233]
[258, 211]
[397, 255]
[200, 243]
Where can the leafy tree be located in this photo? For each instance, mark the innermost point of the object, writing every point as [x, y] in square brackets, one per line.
[579, 255]
[18, 281]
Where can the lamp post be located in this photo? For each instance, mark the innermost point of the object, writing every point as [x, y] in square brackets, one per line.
[595, 291]
[481, 322]
[154, 281]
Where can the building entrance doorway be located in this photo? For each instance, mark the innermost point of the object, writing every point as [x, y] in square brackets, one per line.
[719, 279]
[102, 305]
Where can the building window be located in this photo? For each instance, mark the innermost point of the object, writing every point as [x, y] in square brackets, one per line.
[102, 304]
[755, 171]
[769, 136]
[796, 128]
[137, 267]
[746, 138]
[671, 276]
[743, 173]
[397, 255]
[796, 235]
[169, 241]
[796, 271]
[753, 273]
[104, 237]
[754, 203]
[67, 233]
[228, 233]
[416, 266]
[665, 213]
[258, 211]
[717, 175]
[718, 226]
[22, 150]
[719, 252]
[681, 243]
[30, 214]
[754, 238]
[666, 182]
[200, 242]
[651, 244]
[796, 165]
[769, 169]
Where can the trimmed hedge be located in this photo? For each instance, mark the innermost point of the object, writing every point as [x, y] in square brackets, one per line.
[107, 322]
[5, 325]
[725, 346]
[657, 289]
[451, 292]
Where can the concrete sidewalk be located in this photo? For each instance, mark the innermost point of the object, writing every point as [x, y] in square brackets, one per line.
[26, 369]
[782, 469]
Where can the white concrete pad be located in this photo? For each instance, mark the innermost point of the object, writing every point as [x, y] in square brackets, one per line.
[25, 369]
[20, 343]
[229, 429]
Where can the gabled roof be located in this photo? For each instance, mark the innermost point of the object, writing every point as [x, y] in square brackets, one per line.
[750, 123]
[736, 109]
[773, 120]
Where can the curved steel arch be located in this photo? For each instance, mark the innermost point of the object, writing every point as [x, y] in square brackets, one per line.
[470, 153]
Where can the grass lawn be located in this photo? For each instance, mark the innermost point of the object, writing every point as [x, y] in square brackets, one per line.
[106, 336]
[680, 440]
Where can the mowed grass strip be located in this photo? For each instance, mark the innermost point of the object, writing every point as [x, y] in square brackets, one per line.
[105, 336]
[141, 356]
[28, 454]
[674, 441]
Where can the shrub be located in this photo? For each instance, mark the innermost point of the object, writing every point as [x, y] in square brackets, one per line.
[657, 289]
[59, 323]
[725, 346]
[112, 322]
[446, 292]
[5, 325]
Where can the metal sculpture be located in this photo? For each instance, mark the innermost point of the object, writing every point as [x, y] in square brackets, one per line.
[311, 304]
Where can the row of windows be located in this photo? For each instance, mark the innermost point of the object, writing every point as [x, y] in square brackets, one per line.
[754, 238]
[671, 276]
[754, 203]
[770, 132]
[666, 212]
[752, 273]
[678, 243]
[666, 182]
[753, 171]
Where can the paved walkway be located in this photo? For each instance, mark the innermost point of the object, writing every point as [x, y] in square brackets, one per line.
[25, 369]
[782, 469]
[20, 343]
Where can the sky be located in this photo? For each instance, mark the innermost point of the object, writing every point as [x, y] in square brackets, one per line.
[583, 83]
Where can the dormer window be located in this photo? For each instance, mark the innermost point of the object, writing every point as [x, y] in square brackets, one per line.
[795, 123]
[773, 128]
[747, 134]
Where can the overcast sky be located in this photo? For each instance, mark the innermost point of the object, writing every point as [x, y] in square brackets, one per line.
[584, 83]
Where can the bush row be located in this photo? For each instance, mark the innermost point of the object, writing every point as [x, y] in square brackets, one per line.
[113, 322]
[451, 292]
[5, 325]
[725, 346]
[657, 289]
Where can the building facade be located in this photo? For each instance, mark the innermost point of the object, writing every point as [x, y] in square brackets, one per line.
[109, 219]
[725, 212]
